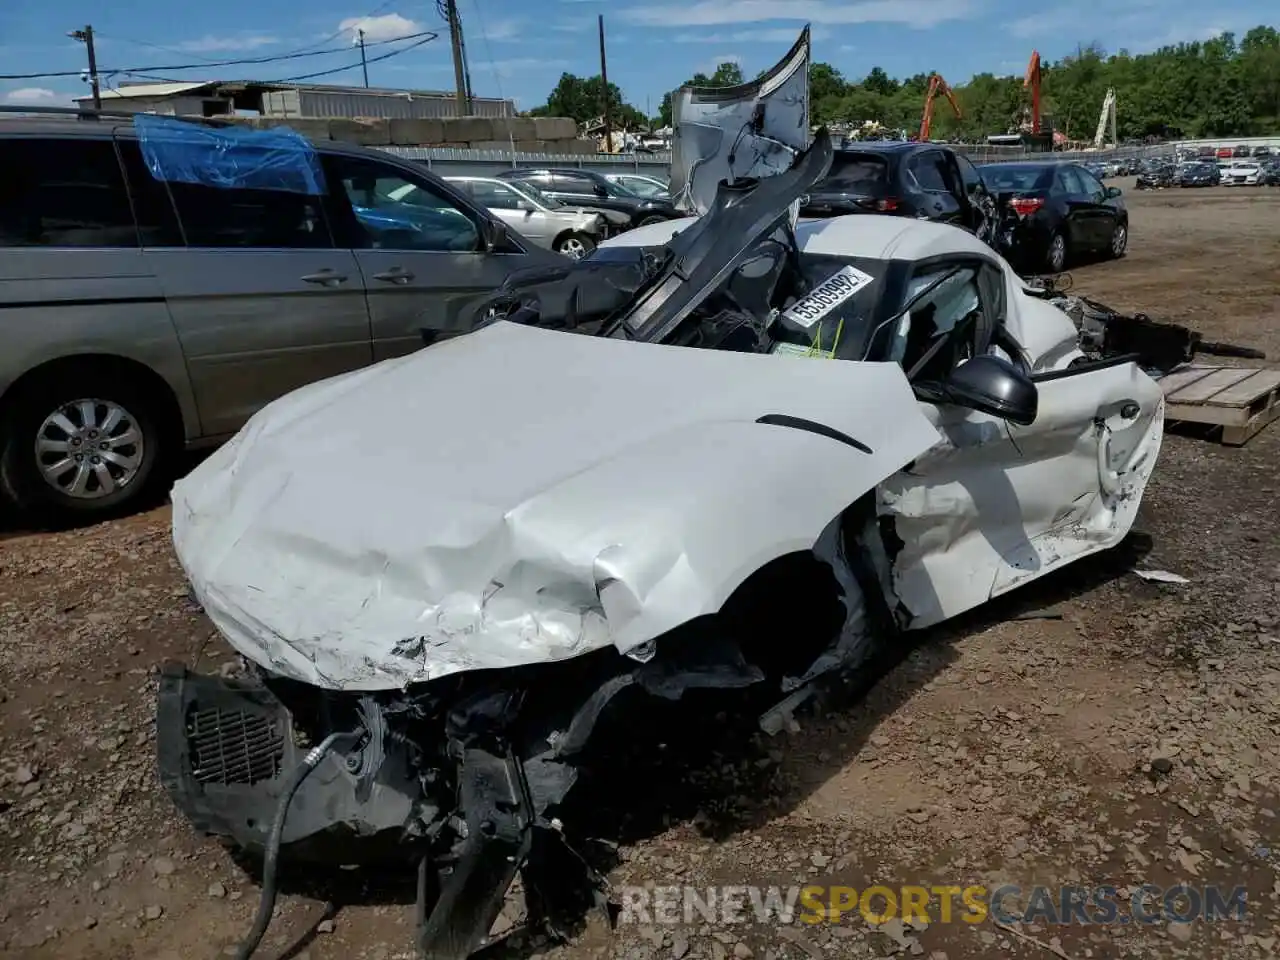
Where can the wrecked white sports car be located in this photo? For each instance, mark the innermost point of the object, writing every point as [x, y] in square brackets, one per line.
[448, 566]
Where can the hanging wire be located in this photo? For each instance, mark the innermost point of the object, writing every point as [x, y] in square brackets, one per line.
[422, 37]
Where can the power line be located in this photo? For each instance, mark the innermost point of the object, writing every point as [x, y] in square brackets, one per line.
[424, 36]
[307, 76]
[340, 31]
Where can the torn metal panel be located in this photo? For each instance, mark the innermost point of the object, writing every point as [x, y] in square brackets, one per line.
[729, 133]
[995, 505]
[565, 493]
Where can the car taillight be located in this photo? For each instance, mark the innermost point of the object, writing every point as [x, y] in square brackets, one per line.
[1026, 206]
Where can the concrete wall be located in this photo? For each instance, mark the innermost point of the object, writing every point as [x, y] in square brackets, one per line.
[555, 135]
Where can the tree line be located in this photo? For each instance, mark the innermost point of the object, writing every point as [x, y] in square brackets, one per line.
[1221, 87]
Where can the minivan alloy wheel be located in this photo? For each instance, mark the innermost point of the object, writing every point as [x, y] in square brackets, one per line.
[89, 448]
[573, 247]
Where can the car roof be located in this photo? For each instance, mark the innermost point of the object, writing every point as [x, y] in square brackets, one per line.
[94, 127]
[1036, 164]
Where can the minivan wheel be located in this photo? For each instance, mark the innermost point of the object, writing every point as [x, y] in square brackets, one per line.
[80, 447]
[575, 246]
[1056, 258]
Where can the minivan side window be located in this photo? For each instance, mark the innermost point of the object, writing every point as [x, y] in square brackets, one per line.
[235, 217]
[63, 193]
[393, 212]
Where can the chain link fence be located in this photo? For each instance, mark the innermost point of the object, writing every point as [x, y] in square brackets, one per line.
[449, 161]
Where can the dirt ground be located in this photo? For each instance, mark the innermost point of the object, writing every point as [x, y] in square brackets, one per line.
[1093, 729]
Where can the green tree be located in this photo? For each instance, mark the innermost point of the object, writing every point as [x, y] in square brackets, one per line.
[1222, 86]
[582, 99]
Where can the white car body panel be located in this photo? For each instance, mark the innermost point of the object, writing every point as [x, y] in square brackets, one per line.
[1241, 174]
[995, 505]
[539, 517]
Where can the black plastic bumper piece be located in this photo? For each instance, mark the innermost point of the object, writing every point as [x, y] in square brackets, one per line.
[499, 833]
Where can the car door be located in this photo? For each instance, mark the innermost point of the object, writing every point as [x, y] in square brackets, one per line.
[420, 249]
[262, 300]
[514, 209]
[1069, 189]
[937, 194]
[1103, 212]
[972, 189]
[994, 505]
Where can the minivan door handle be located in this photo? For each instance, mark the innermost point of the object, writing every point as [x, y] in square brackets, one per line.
[394, 275]
[325, 277]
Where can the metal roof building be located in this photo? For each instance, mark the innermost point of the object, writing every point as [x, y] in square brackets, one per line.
[215, 98]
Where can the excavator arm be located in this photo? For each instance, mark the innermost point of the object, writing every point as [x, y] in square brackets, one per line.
[936, 86]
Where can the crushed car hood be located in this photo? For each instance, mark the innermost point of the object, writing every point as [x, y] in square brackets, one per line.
[753, 130]
[522, 495]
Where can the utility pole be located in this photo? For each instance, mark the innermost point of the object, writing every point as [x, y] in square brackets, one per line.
[85, 36]
[459, 69]
[364, 65]
[604, 84]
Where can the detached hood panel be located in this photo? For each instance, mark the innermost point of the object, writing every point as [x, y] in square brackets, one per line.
[520, 495]
[754, 130]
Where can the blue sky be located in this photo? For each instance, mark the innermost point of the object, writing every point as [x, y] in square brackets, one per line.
[519, 48]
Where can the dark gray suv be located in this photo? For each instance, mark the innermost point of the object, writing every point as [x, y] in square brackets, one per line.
[140, 316]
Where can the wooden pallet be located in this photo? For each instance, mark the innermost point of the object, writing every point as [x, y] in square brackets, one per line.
[1241, 400]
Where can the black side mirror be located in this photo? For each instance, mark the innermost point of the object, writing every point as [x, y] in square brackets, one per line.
[1113, 192]
[600, 190]
[994, 385]
[495, 235]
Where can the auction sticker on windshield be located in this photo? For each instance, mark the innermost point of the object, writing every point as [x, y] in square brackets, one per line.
[826, 296]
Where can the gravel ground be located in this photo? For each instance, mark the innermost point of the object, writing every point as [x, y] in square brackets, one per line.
[1092, 729]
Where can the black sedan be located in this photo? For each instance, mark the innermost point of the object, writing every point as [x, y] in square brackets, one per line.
[1052, 212]
[594, 191]
[927, 181]
[1156, 176]
[1198, 175]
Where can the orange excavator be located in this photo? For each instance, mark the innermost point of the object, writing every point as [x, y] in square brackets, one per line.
[936, 86]
[1032, 82]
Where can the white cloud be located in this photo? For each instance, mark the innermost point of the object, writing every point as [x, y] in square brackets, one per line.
[389, 26]
[575, 26]
[783, 35]
[511, 29]
[215, 44]
[709, 67]
[32, 96]
[915, 13]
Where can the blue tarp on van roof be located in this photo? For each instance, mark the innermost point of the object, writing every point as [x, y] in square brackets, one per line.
[229, 157]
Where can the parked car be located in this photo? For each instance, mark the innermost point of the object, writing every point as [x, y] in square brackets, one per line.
[1271, 173]
[923, 180]
[1156, 175]
[1241, 150]
[594, 191]
[1224, 153]
[1099, 170]
[651, 188]
[548, 223]
[1242, 173]
[1261, 151]
[1055, 211]
[1198, 175]
[139, 317]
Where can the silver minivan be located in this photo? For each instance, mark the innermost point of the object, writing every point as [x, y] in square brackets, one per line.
[139, 316]
[573, 231]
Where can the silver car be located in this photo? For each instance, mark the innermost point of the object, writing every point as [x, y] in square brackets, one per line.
[139, 316]
[650, 188]
[531, 213]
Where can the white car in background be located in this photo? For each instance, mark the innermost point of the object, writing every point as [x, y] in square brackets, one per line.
[651, 188]
[1242, 173]
[548, 223]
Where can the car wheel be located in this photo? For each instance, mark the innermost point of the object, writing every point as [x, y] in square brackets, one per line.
[575, 246]
[1119, 240]
[651, 219]
[81, 447]
[1056, 256]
